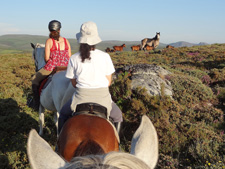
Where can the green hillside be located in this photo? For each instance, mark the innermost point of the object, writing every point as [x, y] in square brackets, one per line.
[21, 43]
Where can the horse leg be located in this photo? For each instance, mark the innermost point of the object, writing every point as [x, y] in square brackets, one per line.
[41, 119]
[56, 117]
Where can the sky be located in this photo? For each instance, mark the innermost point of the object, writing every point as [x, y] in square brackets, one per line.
[192, 21]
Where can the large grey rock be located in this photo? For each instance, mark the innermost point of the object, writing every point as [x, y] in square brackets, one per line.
[150, 77]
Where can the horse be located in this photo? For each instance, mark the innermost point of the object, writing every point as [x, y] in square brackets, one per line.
[119, 48]
[149, 47]
[170, 47]
[151, 42]
[49, 98]
[87, 134]
[136, 48]
[58, 91]
[143, 153]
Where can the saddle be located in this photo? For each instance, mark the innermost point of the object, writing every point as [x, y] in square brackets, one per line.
[91, 109]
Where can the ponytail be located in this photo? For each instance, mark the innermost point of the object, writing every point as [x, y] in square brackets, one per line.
[54, 35]
[85, 51]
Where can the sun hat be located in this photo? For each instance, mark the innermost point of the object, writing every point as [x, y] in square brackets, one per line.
[54, 25]
[88, 34]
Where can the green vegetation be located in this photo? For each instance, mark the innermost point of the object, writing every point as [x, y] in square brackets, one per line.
[190, 125]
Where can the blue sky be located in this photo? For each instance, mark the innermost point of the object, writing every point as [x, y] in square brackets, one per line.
[127, 20]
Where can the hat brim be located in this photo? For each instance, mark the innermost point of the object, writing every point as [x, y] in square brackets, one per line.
[90, 40]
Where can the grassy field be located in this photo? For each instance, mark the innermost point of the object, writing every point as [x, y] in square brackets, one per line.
[190, 126]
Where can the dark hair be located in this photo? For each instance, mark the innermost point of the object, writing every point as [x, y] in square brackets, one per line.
[54, 35]
[85, 51]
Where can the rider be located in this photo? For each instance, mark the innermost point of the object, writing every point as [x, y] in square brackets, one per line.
[90, 71]
[57, 53]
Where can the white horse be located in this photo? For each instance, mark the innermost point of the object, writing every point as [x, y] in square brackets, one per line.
[56, 94]
[143, 155]
[154, 42]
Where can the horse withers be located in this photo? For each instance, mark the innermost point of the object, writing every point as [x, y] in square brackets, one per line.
[143, 154]
[154, 42]
[86, 134]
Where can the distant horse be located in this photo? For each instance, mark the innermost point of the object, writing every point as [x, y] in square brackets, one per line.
[170, 47]
[87, 134]
[108, 50]
[119, 48]
[149, 47]
[154, 42]
[136, 48]
[144, 153]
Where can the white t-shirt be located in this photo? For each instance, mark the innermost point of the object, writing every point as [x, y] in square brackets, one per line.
[91, 73]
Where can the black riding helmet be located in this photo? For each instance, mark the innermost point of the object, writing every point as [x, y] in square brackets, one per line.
[54, 25]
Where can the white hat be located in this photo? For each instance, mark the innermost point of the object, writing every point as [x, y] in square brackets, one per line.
[88, 34]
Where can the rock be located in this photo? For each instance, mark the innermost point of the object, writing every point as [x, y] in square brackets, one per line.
[150, 77]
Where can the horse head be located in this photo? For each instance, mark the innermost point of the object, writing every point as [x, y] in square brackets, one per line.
[157, 35]
[144, 153]
[38, 55]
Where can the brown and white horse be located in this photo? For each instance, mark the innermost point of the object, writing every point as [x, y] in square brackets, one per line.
[143, 154]
[154, 42]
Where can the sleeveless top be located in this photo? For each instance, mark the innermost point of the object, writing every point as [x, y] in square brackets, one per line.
[57, 57]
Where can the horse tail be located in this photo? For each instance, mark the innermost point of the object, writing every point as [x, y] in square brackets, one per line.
[88, 147]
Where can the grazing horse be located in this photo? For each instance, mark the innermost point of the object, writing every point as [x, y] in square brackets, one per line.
[119, 48]
[143, 155]
[170, 47]
[136, 48]
[87, 134]
[149, 47]
[56, 94]
[154, 42]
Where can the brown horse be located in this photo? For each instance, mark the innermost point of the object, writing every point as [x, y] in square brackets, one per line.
[136, 48]
[119, 48]
[170, 47]
[86, 134]
[149, 47]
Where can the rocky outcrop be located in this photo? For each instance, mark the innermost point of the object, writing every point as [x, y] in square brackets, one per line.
[150, 77]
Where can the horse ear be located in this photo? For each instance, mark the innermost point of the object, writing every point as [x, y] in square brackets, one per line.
[144, 144]
[40, 153]
[32, 45]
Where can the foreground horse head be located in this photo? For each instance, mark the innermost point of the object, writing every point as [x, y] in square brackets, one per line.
[87, 134]
[143, 155]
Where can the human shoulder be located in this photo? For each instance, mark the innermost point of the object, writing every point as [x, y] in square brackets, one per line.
[101, 52]
[75, 55]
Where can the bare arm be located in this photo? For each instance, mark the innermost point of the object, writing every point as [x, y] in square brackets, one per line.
[74, 82]
[69, 47]
[48, 45]
[109, 77]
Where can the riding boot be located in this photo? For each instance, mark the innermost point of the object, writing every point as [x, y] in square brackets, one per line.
[36, 97]
[118, 126]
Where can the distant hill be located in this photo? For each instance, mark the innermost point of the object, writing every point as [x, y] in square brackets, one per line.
[187, 44]
[21, 43]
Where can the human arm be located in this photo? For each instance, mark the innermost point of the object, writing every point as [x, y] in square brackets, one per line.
[48, 45]
[74, 82]
[69, 50]
[109, 78]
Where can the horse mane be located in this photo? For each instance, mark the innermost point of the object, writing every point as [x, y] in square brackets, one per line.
[112, 160]
[88, 147]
